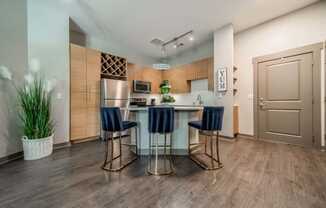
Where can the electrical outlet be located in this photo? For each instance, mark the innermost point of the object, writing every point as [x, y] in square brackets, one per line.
[59, 96]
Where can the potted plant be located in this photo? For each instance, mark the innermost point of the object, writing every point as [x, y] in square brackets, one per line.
[34, 101]
[35, 114]
[165, 90]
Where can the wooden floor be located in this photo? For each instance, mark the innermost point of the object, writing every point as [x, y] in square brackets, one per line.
[256, 174]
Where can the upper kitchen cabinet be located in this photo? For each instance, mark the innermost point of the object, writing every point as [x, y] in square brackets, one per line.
[93, 66]
[178, 79]
[137, 72]
[154, 76]
[210, 73]
[77, 69]
[198, 70]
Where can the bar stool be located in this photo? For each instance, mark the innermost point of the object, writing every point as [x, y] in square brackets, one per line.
[210, 125]
[112, 123]
[160, 121]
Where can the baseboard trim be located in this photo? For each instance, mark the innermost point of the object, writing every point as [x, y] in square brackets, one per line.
[20, 155]
[85, 140]
[11, 157]
[61, 145]
[227, 138]
[246, 136]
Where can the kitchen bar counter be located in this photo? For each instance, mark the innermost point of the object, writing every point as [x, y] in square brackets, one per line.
[183, 114]
[176, 108]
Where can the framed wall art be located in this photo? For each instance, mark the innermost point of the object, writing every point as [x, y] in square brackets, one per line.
[221, 79]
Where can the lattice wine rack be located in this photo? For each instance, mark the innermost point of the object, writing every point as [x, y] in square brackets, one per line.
[113, 66]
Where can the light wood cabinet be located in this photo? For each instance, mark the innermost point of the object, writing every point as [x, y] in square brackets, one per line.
[154, 76]
[235, 120]
[198, 70]
[179, 77]
[136, 72]
[85, 75]
[210, 73]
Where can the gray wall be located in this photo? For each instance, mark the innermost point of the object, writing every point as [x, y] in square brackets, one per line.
[48, 42]
[197, 52]
[223, 57]
[39, 29]
[13, 54]
[302, 27]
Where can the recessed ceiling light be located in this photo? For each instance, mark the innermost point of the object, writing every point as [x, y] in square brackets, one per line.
[191, 37]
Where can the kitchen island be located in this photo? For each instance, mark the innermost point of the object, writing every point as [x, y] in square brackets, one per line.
[183, 114]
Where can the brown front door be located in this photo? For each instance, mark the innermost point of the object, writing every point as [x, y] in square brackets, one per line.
[285, 98]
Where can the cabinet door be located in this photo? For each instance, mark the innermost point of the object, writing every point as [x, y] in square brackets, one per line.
[154, 76]
[178, 80]
[93, 68]
[93, 93]
[78, 92]
[78, 115]
[135, 72]
[210, 74]
[93, 115]
[202, 66]
[77, 68]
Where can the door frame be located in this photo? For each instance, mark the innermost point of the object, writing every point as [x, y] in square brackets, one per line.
[315, 49]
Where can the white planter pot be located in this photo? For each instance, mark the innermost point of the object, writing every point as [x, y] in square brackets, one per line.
[37, 148]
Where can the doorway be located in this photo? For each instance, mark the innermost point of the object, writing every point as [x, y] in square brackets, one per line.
[287, 96]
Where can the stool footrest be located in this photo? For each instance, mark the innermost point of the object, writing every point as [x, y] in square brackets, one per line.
[202, 164]
[120, 167]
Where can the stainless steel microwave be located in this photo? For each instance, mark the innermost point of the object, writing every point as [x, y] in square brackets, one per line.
[141, 86]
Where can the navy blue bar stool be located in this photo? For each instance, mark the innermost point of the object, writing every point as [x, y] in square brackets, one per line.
[210, 125]
[160, 122]
[112, 123]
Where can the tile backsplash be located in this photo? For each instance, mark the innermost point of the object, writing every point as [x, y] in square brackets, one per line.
[207, 97]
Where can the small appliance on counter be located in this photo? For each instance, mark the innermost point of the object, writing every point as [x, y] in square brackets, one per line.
[138, 102]
[142, 87]
[153, 101]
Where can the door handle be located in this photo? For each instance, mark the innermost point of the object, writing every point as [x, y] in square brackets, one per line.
[261, 103]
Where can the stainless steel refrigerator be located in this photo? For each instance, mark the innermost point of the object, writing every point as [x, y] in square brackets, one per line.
[115, 93]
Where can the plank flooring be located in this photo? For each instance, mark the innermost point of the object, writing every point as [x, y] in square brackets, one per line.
[256, 175]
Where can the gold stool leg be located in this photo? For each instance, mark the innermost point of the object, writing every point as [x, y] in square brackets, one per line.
[156, 170]
[218, 151]
[136, 137]
[171, 156]
[112, 158]
[149, 153]
[208, 165]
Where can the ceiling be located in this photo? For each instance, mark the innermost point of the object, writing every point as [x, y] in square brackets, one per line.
[135, 23]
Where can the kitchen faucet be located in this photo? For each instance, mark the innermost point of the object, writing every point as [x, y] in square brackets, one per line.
[199, 99]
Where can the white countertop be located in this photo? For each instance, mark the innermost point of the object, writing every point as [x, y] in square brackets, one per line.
[176, 107]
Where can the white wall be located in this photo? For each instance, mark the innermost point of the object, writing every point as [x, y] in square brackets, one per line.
[223, 57]
[303, 27]
[48, 42]
[13, 54]
[199, 85]
[197, 52]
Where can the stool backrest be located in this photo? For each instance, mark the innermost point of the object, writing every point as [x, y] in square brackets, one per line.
[160, 119]
[111, 119]
[212, 118]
